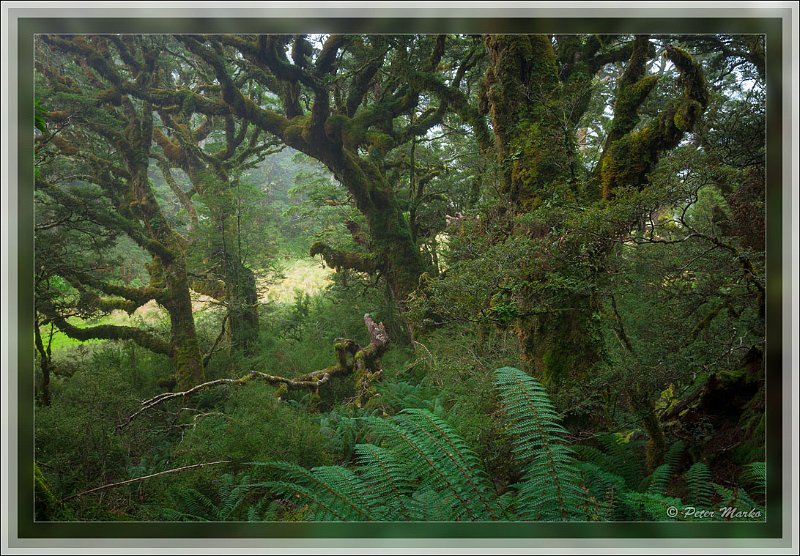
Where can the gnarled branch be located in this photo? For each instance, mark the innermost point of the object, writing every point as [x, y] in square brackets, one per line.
[336, 258]
[113, 332]
[350, 357]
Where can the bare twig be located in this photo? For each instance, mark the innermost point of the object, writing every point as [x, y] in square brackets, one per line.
[207, 357]
[139, 479]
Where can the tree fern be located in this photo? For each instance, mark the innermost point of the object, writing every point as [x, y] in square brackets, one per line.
[701, 489]
[550, 489]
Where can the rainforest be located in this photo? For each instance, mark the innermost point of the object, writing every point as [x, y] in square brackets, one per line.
[445, 278]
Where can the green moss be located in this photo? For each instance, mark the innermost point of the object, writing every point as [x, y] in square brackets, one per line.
[46, 502]
[686, 115]
[334, 125]
[353, 135]
[633, 154]
[296, 129]
[629, 99]
[381, 141]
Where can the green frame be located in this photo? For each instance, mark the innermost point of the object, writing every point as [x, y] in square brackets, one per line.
[772, 27]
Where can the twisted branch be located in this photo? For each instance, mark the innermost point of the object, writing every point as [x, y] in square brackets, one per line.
[349, 357]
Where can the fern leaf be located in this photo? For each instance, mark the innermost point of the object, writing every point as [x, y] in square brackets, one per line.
[755, 476]
[646, 506]
[621, 457]
[428, 462]
[331, 492]
[550, 490]
[673, 456]
[430, 505]
[658, 481]
[455, 456]
[603, 490]
[385, 478]
[701, 490]
[737, 500]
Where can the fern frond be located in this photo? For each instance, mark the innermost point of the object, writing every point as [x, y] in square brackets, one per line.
[331, 492]
[645, 506]
[673, 456]
[455, 454]
[193, 506]
[738, 500]
[755, 476]
[436, 456]
[231, 495]
[698, 480]
[623, 458]
[386, 479]
[430, 505]
[658, 481]
[550, 490]
[603, 489]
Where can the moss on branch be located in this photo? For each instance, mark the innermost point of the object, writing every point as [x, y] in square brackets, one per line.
[340, 259]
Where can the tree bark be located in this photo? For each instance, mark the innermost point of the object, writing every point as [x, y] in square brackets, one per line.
[184, 347]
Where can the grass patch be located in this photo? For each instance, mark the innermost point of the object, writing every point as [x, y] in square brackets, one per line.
[306, 275]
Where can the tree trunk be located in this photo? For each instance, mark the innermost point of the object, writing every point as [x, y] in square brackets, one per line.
[392, 245]
[185, 349]
[44, 363]
[657, 443]
[242, 299]
[536, 152]
[559, 345]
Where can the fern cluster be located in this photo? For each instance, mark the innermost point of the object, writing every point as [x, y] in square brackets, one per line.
[418, 468]
[190, 504]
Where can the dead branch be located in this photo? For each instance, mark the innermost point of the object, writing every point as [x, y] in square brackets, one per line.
[350, 357]
[139, 479]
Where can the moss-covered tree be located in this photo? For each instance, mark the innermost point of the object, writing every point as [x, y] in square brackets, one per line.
[536, 90]
[104, 150]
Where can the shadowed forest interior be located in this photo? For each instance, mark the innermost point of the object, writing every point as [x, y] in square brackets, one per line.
[399, 277]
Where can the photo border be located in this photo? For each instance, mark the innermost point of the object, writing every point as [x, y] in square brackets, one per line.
[522, 20]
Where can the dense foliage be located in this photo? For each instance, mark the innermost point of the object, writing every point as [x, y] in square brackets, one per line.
[399, 278]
